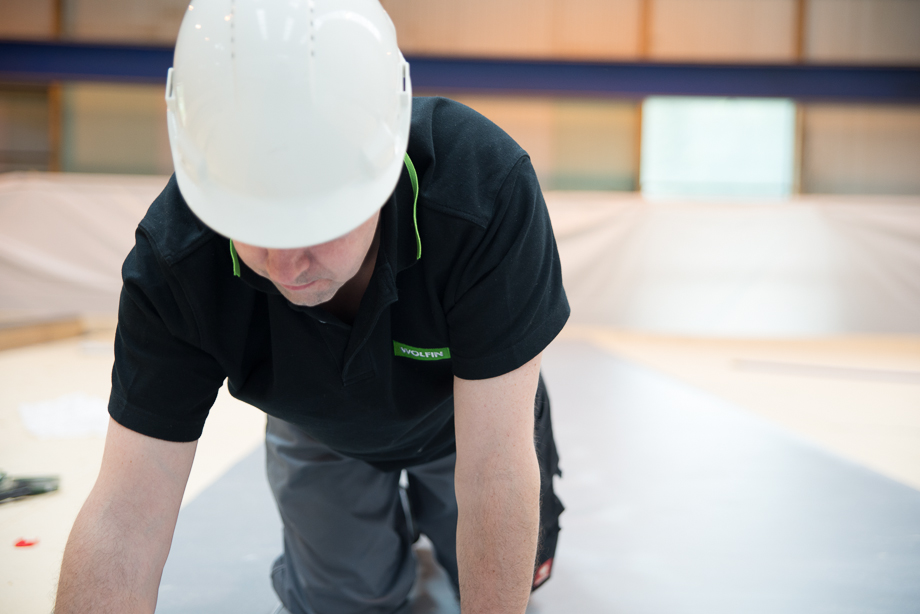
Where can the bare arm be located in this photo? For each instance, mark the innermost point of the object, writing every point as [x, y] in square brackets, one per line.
[498, 490]
[118, 545]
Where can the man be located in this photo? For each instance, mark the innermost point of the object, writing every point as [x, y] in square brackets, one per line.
[379, 276]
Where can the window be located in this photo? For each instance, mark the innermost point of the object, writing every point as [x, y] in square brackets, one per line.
[717, 147]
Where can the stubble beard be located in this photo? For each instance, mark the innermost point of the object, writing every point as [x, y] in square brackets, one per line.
[310, 297]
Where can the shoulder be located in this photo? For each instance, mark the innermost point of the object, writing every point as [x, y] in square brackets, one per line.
[171, 227]
[174, 266]
[463, 158]
[452, 127]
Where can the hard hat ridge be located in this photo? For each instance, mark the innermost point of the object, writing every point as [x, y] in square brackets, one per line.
[288, 119]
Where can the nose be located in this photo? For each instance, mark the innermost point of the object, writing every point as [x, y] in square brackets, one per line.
[288, 266]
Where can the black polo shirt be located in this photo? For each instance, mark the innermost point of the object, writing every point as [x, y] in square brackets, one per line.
[485, 297]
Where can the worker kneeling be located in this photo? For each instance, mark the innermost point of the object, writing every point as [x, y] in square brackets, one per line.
[377, 274]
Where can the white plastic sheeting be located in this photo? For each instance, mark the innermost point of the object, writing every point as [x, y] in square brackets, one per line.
[810, 266]
[63, 238]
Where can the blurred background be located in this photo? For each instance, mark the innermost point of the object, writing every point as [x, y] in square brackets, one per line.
[789, 129]
[735, 191]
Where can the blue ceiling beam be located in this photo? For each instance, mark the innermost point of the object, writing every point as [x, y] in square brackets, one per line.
[44, 62]
[638, 79]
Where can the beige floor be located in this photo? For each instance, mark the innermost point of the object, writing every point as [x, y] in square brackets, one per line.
[42, 372]
[856, 397]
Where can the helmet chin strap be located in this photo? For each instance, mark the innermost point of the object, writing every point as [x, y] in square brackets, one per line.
[413, 178]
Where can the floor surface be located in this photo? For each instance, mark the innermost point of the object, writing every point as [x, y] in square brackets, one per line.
[678, 502]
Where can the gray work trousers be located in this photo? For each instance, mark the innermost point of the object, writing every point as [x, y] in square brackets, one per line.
[347, 543]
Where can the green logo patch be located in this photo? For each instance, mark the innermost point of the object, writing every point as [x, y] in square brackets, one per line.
[407, 351]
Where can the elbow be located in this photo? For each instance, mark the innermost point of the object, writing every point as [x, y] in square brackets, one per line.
[511, 473]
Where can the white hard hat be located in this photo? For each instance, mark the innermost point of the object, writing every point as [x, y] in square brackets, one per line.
[288, 119]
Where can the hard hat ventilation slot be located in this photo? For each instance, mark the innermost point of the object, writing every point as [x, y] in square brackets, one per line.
[312, 30]
[170, 96]
[232, 21]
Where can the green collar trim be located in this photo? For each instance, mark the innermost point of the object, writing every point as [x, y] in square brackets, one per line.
[236, 260]
[413, 178]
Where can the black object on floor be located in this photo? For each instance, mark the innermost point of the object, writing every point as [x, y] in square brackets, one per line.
[12, 489]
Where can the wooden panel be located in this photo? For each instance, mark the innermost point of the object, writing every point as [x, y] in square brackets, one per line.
[861, 150]
[131, 21]
[24, 143]
[473, 27]
[598, 29]
[574, 144]
[723, 30]
[115, 129]
[23, 333]
[27, 19]
[863, 31]
[595, 145]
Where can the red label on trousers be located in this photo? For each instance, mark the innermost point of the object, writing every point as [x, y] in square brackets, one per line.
[542, 574]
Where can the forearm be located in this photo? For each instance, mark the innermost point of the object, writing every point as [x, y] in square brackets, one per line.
[110, 566]
[118, 545]
[497, 533]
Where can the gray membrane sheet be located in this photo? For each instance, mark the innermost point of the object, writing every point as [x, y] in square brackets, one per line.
[677, 502]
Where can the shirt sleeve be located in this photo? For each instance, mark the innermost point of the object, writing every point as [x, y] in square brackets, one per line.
[510, 302]
[163, 384]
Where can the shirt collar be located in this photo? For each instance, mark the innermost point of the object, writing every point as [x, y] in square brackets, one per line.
[399, 225]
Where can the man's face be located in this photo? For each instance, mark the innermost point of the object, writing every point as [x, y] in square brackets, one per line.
[312, 275]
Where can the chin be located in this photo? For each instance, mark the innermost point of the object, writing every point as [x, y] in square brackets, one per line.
[308, 298]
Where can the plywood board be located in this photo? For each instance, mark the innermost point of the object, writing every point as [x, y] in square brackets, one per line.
[16, 334]
[861, 150]
[863, 31]
[723, 30]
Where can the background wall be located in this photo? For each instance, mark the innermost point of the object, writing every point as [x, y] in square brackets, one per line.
[851, 149]
[839, 31]
[24, 127]
[863, 31]
[596, 29]
[582, 144]
[28, 19]
[113, 128]
[723, 30]
[574, 143]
